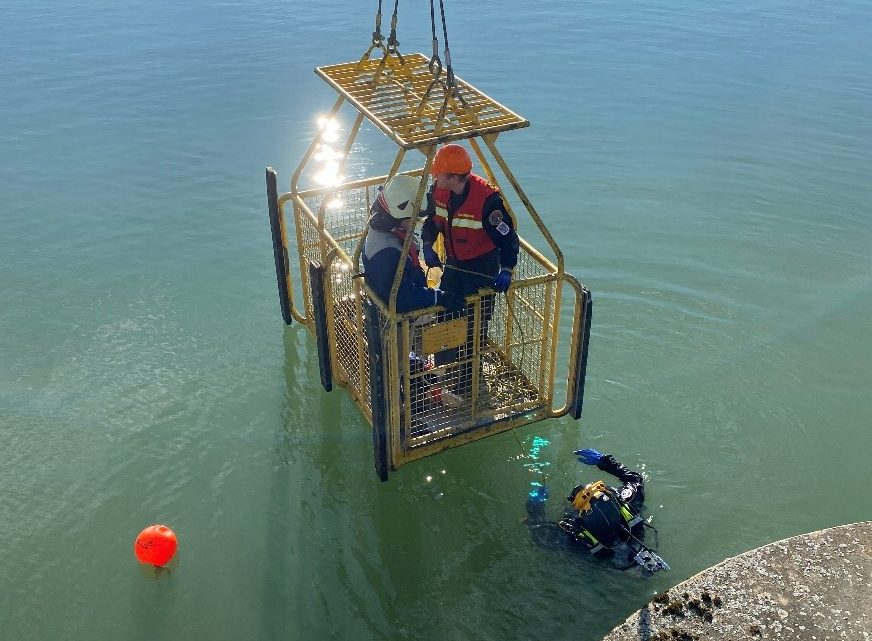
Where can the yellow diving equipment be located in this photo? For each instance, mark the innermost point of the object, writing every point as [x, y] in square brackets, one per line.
[588, 493]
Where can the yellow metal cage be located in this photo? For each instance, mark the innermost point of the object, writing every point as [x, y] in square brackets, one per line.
[506, 346]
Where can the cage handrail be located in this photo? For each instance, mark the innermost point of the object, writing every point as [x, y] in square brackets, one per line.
[295, 313]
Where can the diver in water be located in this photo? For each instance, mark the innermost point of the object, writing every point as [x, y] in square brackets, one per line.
[602, 519]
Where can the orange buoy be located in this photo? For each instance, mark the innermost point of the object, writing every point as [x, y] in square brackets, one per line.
[156, 545]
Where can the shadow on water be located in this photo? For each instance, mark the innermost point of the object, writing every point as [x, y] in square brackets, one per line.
[319, 580]
[348, 556]
[306, 415]
[157, 590]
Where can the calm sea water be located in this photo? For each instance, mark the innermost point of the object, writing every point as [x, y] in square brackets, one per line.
[707, 169]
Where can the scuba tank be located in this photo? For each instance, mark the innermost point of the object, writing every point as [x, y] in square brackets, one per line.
[605, 523]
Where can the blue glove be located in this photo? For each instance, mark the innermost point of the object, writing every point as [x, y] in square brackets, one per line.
[588, 456]
[503, 280]
[430, 256]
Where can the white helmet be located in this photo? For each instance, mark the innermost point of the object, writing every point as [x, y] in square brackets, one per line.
[398, 195]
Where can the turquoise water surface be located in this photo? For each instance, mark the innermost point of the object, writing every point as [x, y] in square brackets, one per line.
[706, 169]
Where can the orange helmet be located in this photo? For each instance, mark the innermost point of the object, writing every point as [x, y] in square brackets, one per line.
[451, 159]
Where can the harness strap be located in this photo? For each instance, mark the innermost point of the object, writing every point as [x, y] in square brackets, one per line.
[582, 533]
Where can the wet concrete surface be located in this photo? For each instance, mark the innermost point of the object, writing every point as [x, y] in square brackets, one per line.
[815, 587]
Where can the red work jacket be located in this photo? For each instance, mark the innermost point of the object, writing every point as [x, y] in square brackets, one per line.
[465, 238]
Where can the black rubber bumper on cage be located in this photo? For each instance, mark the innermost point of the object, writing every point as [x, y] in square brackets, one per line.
[581, 364]
[377, 392]
[280, 253]
[319, 313]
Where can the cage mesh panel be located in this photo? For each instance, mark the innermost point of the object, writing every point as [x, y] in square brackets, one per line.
[345, 218]
[528, 266]
[310, 249]
[511, 364]
[349, 344]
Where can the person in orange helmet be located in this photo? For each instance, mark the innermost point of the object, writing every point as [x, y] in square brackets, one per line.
[481, 243]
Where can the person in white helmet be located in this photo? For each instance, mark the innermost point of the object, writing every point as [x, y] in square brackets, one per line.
[393, 215]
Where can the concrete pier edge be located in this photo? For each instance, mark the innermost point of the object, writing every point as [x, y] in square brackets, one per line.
[815, 587]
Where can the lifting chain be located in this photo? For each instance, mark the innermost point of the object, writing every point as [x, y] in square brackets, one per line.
[378, 39]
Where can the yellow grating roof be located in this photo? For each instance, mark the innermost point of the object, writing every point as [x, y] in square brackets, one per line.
[394, 100]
